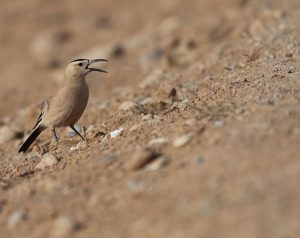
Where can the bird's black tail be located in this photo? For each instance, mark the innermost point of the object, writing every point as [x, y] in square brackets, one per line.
[31, 138]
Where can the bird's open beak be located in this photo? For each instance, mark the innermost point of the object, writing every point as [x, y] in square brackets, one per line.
[94, 69]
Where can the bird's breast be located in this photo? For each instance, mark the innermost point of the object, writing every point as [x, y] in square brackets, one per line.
[67, 106]
[80, 100]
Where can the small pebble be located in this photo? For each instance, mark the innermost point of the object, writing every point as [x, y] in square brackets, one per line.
[32, 156]
[154, 121]
[133, 185]
[182, 140]
[140, 158]
[218, 123]
[158, 141]
[135, 127]
[157, 164]
[209, 78]
[16, 218]
[80, 145]
[63, 226]
[147, 117]
[155, 54]
[127, 105]
[48, 160]
[116, 133]
[240, 111]
[230, 66]
[199, 160]
[90, 129]
[292, 69]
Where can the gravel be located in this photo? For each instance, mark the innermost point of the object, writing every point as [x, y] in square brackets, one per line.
[48, 160]
[116, 133]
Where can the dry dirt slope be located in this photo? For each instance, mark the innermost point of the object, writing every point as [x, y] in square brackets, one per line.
[209, 107]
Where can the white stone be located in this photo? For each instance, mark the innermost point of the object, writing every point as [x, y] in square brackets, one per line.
[182, 140]
[158, 141]
[157, 164]
[116, 133]
[218, 123]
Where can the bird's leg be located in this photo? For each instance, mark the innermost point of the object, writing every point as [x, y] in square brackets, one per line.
[54, 134]
[77, 132]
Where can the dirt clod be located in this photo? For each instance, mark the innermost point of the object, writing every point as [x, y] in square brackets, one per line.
[140, 158]
[48, 160]
[182, 140]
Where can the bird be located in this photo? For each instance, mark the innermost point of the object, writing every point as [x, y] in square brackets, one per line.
[67, 104]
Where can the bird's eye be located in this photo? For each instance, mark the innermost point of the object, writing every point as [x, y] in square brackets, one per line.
[80, 64]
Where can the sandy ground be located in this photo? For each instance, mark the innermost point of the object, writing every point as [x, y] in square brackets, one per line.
[206, 94]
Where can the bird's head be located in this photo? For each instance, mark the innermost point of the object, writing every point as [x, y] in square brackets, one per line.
[82, 67]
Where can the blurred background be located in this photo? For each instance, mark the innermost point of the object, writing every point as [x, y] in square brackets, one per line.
[38, 38]
[205, 94]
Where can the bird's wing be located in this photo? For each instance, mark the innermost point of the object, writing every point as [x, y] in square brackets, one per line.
[45, 109]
